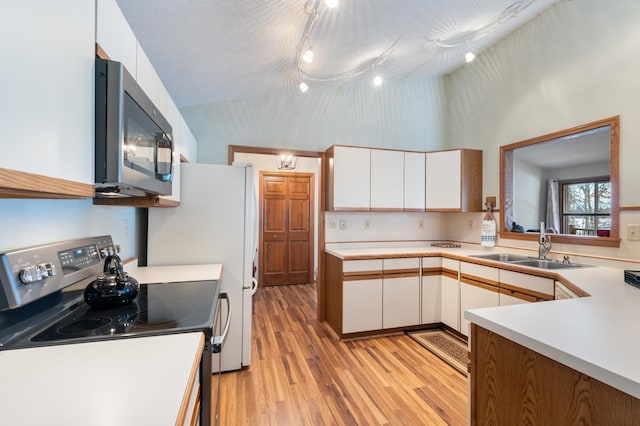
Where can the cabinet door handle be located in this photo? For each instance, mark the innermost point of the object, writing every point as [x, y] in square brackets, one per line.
[275, 236]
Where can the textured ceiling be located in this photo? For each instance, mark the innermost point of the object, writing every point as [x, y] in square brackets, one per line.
[208, 51]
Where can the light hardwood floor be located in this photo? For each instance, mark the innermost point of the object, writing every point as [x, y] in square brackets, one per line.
[302, 375]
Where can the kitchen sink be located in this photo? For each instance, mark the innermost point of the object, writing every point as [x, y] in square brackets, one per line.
[515, 259]
[545, 264]
[502, 257]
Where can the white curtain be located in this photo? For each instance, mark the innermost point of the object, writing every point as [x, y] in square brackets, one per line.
[553, 206]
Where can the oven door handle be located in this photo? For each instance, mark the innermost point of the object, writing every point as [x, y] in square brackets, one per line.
[218, 341]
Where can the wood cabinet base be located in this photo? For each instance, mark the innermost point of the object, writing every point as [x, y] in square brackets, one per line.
[513, 385]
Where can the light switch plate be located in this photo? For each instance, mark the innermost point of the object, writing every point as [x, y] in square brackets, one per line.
[633, 232]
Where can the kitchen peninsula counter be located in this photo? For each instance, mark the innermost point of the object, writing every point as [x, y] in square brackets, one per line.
[595, 335]
[136, 381]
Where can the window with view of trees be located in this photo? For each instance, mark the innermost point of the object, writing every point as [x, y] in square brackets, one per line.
[586, 206]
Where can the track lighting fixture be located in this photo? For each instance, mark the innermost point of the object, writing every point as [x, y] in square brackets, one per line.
[469, 56]
[303, 86]
[331, 3]
[307, 56]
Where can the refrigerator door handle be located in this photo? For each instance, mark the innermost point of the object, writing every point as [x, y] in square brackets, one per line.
[254, 286]
[218, 341]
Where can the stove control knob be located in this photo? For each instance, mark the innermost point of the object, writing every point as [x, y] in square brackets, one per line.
[43, 270]
[50, 269]
[30, 274]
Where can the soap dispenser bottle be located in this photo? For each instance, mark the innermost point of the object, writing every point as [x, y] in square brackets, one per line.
[488, 229]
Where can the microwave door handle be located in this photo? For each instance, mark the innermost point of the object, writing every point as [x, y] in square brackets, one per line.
[164, 140]
[218, 341]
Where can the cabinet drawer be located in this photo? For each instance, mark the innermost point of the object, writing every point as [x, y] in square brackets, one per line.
[401, 264]
[528, 282]
[367, 265]
[431, 262]
[452, 264]
[485, 273]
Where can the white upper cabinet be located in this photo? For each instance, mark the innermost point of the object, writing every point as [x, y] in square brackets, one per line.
[454, 180]
[392, 180]
[46, 106]
[387, 179]
[153, 87]
[414, 181]
[114, 35]
[188, 144]
[351, 173]
[443, 180]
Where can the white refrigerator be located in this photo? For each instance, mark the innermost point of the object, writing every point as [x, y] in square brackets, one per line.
[216, 222]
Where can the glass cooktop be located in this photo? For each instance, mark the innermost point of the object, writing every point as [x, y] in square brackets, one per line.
[158, 309]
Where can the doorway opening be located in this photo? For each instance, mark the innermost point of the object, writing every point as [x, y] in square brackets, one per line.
[265, 159]
[286, 228]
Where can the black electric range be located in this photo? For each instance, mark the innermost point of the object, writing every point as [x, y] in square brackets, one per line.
[162, 308]
[42, 303]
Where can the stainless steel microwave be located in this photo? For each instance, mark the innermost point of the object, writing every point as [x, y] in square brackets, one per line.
[133, 142]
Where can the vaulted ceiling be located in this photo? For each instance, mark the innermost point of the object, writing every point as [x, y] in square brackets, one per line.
[208, 51]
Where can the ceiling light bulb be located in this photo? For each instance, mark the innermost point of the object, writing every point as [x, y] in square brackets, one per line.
[377, 80]
[469, 56]
[303, 87]
[331, 3]
[307, 56]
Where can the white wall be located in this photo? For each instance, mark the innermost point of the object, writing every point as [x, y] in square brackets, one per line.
[575, 63]
[407, 114]
[25, 223]
[385, 226]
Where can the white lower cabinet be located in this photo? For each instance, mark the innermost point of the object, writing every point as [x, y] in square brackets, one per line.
[401, 302]
[362, 305]
[507, 299]
[400, 292]
[431, 296]
[540, 287]
[563, 292]
[472, 297]
[451, 293]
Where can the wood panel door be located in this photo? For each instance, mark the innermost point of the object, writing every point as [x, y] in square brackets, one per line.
[286, 228]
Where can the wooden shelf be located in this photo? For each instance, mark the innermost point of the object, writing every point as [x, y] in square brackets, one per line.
[140, 202]
[16, 184]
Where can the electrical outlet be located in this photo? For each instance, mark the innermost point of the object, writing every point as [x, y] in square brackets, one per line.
[125, 227]
[633, 232]
[343, 224]
[366, 224]
[470, 225]
[420, 224]
[332, 223]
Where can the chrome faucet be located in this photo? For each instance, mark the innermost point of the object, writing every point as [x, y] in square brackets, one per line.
[544, 243]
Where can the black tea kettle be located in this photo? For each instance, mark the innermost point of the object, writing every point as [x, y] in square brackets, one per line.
[113, 287]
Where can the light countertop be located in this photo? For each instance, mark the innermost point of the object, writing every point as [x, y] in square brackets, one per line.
[596, 335]
[136, 381]
[174, 273]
